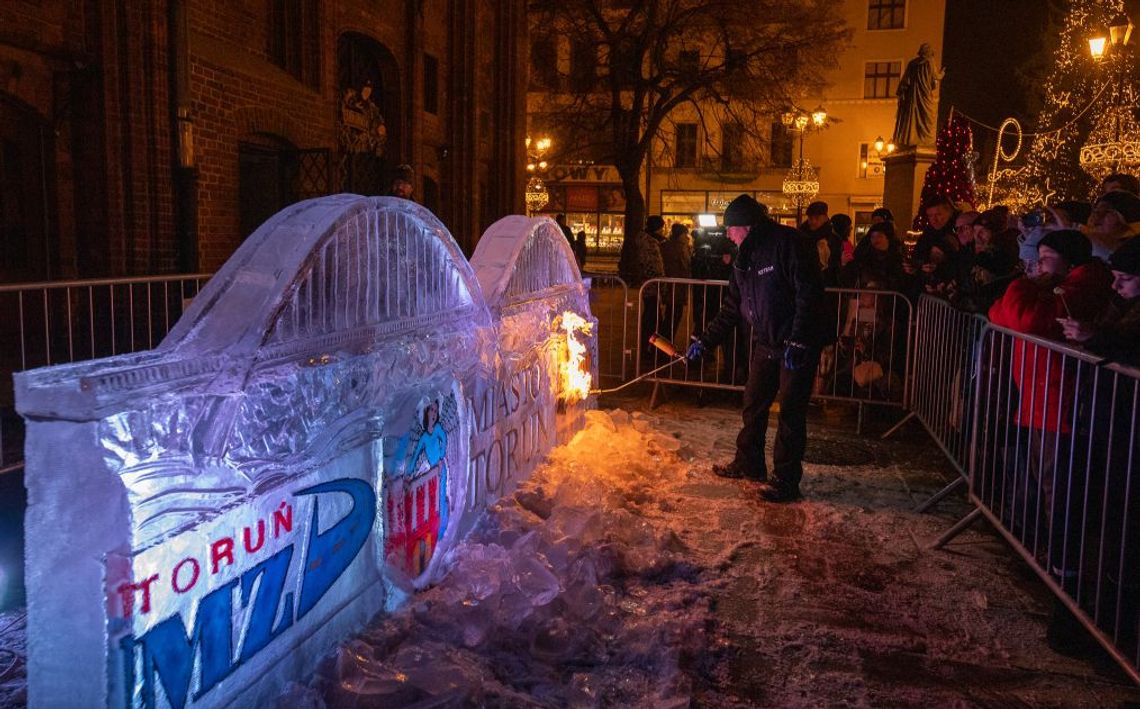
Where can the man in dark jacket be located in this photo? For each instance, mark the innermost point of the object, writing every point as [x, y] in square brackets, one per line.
[776, 288]
[829, 245]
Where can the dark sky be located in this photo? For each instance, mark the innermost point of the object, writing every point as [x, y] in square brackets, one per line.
[988, 49]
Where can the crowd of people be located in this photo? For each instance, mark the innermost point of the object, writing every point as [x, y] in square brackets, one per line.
[1068, 272]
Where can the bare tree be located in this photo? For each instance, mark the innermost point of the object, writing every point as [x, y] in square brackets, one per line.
[738, 61]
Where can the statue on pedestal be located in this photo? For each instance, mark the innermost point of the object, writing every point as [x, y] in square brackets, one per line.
[917, 115]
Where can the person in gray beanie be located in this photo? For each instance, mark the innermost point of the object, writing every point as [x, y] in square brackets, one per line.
[776, 288]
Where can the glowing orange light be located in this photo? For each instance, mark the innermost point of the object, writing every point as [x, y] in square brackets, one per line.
[575, 374]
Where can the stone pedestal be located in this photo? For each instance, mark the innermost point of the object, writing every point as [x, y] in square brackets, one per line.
[902, 184]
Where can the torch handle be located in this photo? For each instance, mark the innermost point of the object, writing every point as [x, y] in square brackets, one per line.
[637, 379]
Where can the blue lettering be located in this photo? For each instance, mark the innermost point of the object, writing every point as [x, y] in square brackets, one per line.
[168, 652]
[329, 554]
[273, 572]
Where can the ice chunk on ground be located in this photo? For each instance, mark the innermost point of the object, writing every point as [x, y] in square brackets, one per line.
[620, 418]
[533, 593]
[598, 417]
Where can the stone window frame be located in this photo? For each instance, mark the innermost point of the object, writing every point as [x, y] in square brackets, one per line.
[886, 14]
[881, 78]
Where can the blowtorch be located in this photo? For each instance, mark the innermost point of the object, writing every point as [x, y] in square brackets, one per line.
[660, 342]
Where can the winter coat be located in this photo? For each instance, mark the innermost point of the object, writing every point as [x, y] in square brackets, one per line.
[1030, 306]
[883, 268]
[677, 256]
[641, 259]
[830, 247]
[776, 288]
[1117, 336]
[943, 238]
[990, 273]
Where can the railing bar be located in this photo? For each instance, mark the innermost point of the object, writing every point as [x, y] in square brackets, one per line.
[47, 328]
[70, 329]
[23, 335]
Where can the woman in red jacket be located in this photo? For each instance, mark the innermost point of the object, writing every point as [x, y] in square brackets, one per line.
[1070, 283]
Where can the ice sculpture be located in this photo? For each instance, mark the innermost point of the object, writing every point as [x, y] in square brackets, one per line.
[340, 401]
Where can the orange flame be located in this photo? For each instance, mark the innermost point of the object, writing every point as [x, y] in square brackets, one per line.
[576, 380]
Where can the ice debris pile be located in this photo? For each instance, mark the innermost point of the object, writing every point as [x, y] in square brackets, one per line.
[573, 592]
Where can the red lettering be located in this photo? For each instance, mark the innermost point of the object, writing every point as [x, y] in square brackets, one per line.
[282, 520]
[127, 594]
[193, 579]
[222, 549]
[260, 537]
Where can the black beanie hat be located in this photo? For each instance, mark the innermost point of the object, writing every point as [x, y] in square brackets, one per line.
[841, 223]
[743, 211]
[1126, 203]
[1073, 246]
[1126, 258]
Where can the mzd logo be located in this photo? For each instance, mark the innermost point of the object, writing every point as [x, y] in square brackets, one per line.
[242, 585]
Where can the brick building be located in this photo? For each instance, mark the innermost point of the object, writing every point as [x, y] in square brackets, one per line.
[152, 136]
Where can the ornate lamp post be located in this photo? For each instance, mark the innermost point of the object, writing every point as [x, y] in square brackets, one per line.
[1113, 144]
[801, 184]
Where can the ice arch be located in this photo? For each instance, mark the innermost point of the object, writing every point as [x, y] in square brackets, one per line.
[336, 271]
[521, 259]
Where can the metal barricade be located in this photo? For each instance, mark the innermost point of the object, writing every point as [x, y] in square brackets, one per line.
[941, 396]
[69, 321]
[1055, 467]
[680, 309]
[610, 304]
[867, 364]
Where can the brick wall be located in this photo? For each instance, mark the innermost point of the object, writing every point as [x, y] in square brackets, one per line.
[114, 174]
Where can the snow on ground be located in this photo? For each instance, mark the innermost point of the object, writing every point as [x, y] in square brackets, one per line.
[625, 574]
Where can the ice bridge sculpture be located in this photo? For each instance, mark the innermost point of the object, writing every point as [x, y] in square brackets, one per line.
[205, 520]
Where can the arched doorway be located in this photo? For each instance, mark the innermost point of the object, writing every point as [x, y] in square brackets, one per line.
[27, 189]
[370, 117]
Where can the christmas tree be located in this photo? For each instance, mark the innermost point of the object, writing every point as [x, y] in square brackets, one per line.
[1053, 169]
[951, 175]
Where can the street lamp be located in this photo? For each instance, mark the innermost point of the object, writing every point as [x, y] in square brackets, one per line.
[801, 184]
[1097, 47]
[1113, 144]
[819, 117]
[876, 149]
[535, 151]
[1120, 30]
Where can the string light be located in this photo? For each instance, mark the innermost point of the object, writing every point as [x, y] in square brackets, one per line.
[1075, 81]
[950, 175]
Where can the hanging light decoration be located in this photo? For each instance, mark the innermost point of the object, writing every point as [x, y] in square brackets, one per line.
[1113, 144]
[801, 183]
[536, 195]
